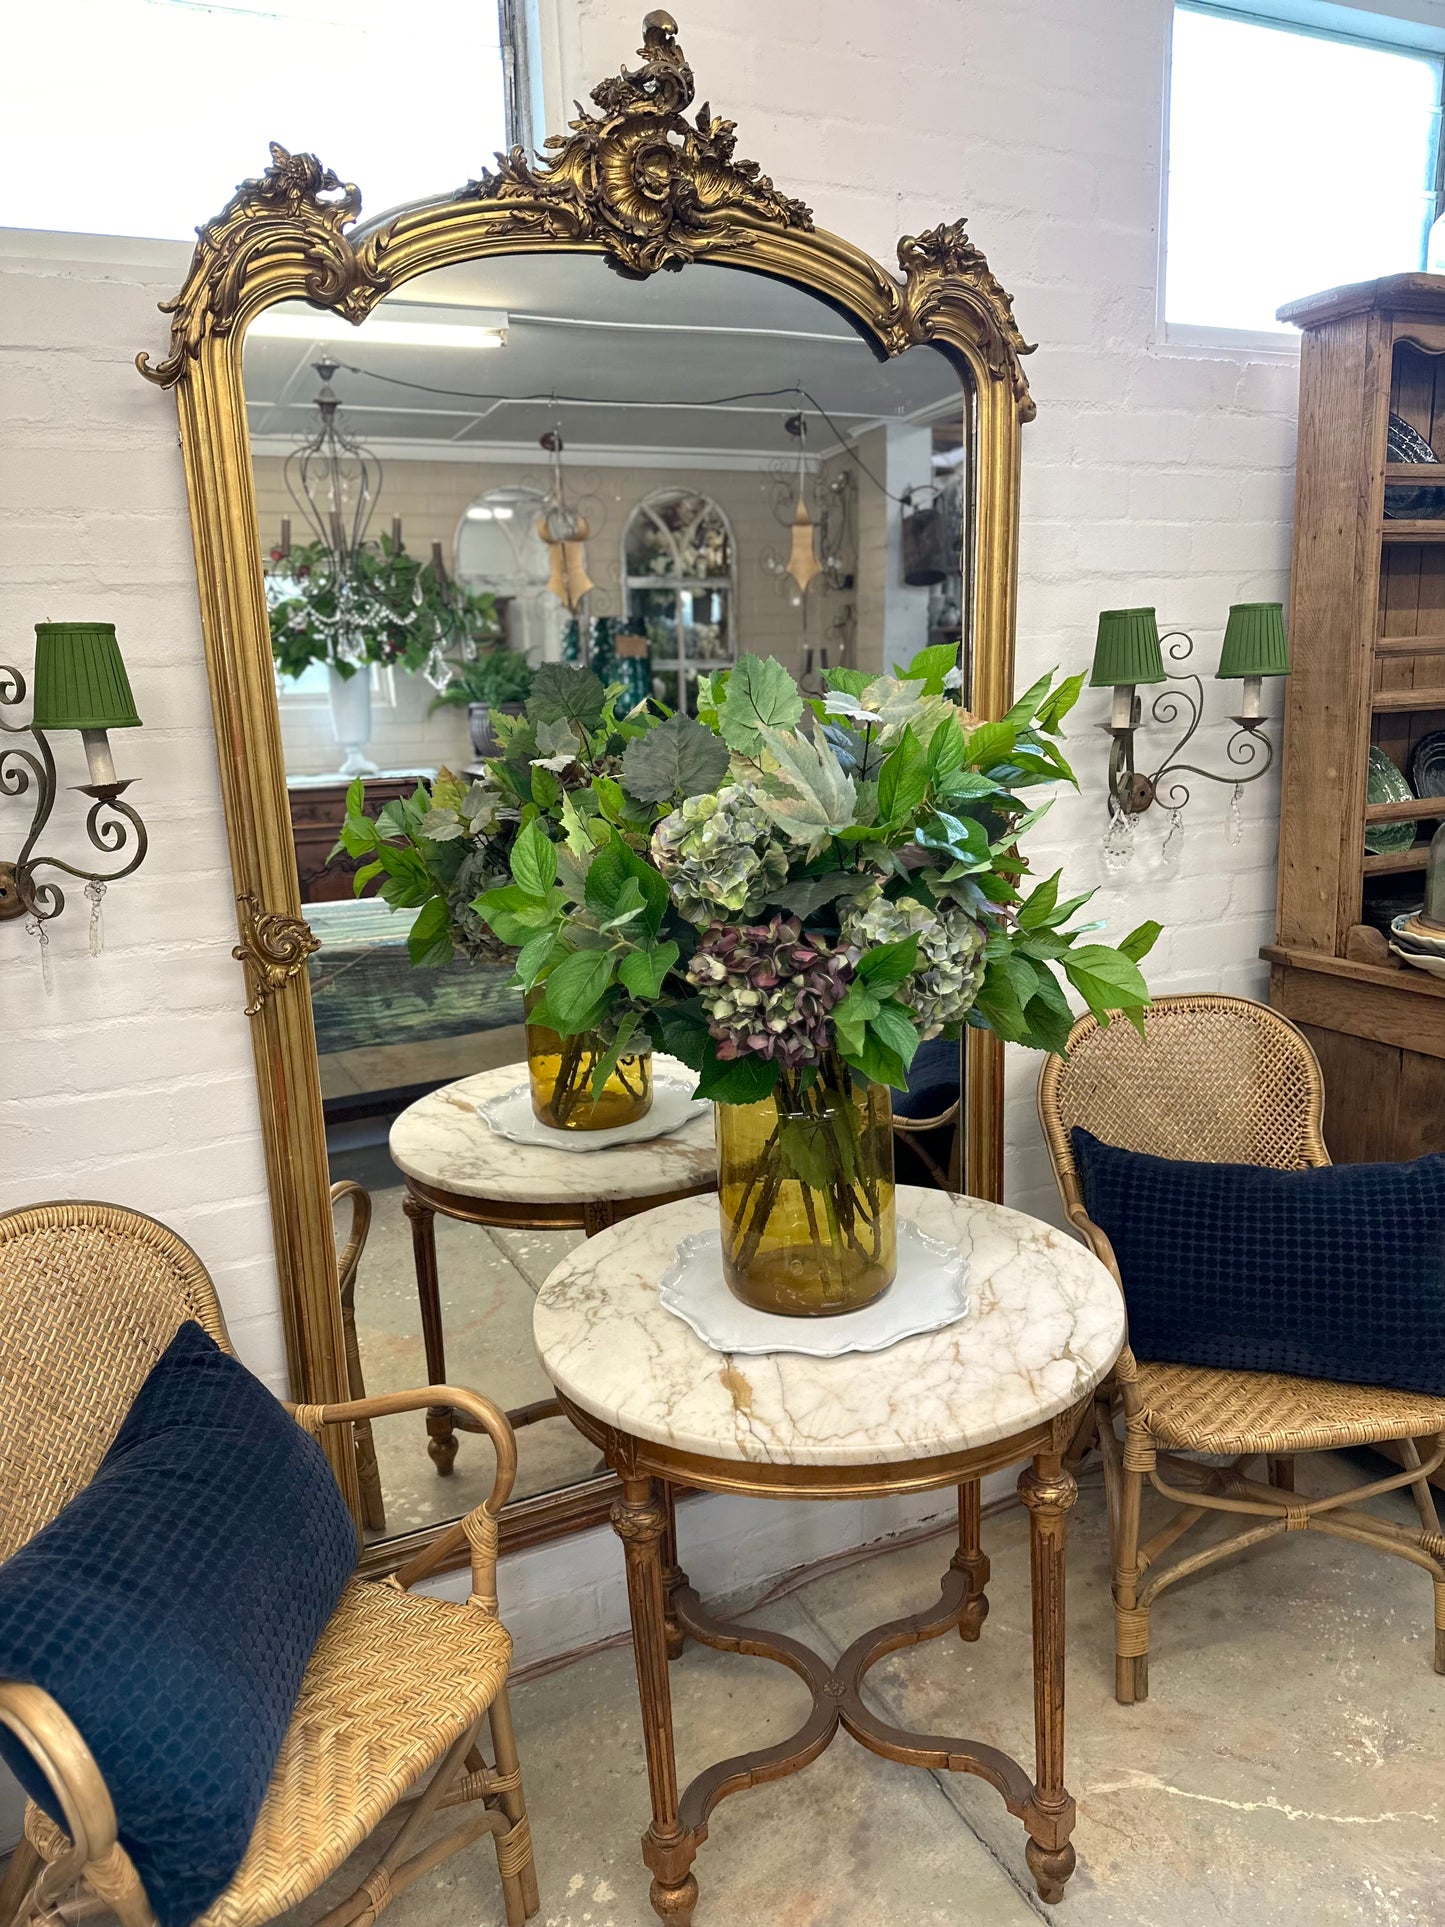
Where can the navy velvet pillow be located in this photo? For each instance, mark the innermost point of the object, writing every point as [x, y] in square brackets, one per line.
[171, 1607]
[1331, 1273]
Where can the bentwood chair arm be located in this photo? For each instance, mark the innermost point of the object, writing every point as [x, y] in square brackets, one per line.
[477, 1530]
[53, 1742]
[350, 1259]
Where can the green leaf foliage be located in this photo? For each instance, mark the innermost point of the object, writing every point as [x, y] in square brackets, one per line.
[932, 667]
[678, 759]
[807, 793]
[565, 692]
[429, 939]
[607, 876]
[534, 861]
[735, 1080]
[575, 987]
[1106, 979]
[642, 972]
[902, 779]
[760, 695]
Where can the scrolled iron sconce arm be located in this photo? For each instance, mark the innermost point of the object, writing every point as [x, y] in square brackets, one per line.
[110, 824]
[1131, 791]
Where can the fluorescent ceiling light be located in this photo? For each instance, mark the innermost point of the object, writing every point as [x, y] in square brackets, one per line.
[485, 512]
[390, 326]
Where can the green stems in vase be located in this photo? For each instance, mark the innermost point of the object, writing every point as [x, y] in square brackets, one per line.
[805, 1180]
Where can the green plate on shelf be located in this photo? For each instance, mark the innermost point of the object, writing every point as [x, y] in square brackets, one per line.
[1386, 784]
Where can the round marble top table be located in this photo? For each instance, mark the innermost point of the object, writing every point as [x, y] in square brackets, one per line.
[455, 1164]
[1012, 1380]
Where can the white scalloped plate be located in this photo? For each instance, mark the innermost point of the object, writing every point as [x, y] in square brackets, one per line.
[929, 1292]
[511, 1116]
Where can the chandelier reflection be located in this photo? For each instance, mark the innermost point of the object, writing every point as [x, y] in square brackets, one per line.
[362, 601]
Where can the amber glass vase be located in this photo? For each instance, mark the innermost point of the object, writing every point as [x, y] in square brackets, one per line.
[805, 1186]
[560, 1069]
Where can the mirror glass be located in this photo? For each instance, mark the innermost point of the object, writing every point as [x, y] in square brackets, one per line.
[513, 461]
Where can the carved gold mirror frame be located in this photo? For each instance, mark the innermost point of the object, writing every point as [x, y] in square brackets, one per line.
[648, 189]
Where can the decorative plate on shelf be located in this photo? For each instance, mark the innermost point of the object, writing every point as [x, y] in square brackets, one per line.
[1405, 443]
[1427, 764]
[1386, 784]
[929, 1292]
[511, 1116]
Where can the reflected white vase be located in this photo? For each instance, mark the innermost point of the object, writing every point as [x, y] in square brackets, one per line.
[351, 719]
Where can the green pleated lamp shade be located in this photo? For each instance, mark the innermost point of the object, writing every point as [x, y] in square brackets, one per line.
[1127, 650]
[80, 680]
[1254, 641]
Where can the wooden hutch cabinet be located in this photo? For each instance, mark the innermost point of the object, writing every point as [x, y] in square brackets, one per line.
[1367, 643]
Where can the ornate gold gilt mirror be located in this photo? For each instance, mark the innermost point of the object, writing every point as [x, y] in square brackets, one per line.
[627, 406]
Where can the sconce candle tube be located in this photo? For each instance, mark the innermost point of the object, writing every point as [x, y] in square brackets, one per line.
[98, 756]
[1122, 714]
[1251, 708]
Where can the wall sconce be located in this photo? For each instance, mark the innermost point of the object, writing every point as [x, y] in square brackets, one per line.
[1128, 654]
[80, 683]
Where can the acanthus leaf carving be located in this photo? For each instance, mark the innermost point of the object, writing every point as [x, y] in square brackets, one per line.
[273, 947]
[655, 190]
[943, 266]
[294, 212]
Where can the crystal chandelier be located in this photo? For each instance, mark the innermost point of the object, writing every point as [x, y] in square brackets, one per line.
[334, 481]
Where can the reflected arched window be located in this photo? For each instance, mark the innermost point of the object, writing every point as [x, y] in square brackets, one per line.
[679, 572]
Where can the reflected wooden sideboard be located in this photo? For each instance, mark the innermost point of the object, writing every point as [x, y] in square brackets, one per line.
[318, 806]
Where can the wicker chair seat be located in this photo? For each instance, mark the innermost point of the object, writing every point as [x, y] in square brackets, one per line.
[394, 1680]
[1195, 1409]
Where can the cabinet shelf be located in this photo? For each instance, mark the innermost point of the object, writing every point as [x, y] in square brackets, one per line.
[1422, 474]
[1407, 812]
[1429, 530]
[1410, 645]
[1393, 863]
[1405, 699]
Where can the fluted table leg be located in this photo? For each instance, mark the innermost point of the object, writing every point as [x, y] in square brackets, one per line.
[1048, 1491]
[971, 1559]
[640, 1520]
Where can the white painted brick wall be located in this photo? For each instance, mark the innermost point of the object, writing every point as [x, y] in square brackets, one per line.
[1150, 476]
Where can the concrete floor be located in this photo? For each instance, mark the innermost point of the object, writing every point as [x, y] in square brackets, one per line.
[1288, 1770]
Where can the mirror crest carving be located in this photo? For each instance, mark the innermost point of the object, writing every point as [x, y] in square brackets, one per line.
[647, 188]
[635, 180]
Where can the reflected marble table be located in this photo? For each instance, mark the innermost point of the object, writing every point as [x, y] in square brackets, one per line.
[1011, 1381]
[454, 1163]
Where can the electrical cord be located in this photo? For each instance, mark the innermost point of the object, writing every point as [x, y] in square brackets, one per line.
[796, 389]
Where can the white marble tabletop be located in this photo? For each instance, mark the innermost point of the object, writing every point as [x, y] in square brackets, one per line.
[441, 1141]
[1046, 1324]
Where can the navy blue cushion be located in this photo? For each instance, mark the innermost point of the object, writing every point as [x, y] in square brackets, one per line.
[934, 1079]
[1331, 1273]
[171, 1607]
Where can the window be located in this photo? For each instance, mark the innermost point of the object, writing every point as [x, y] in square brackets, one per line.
[678, 566]
[140, 116]
[1297, 161]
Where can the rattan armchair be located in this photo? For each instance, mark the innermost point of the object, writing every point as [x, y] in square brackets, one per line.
[398, 1688]
[1223, 1080]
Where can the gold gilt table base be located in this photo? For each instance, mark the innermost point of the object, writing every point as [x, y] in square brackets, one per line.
[666, 1611]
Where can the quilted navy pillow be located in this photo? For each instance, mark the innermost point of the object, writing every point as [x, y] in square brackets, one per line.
[1331, 1273]
[171, 1607]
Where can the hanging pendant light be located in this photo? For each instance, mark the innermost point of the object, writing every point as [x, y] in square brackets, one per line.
[565, 532]
[802, 563]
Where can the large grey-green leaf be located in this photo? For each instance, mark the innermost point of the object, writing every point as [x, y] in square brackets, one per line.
[678, 758]
[808, 794]
[760, 695]
[565, 692]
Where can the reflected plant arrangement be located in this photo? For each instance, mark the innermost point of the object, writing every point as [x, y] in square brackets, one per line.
[790, 894]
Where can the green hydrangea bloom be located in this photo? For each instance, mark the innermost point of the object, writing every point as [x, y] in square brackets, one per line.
[949, 976]
[720, 855]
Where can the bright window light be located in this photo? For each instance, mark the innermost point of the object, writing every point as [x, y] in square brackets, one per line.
[1296, 162]
[139, 117]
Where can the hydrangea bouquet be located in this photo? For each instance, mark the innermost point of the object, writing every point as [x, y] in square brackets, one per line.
[787, 894]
